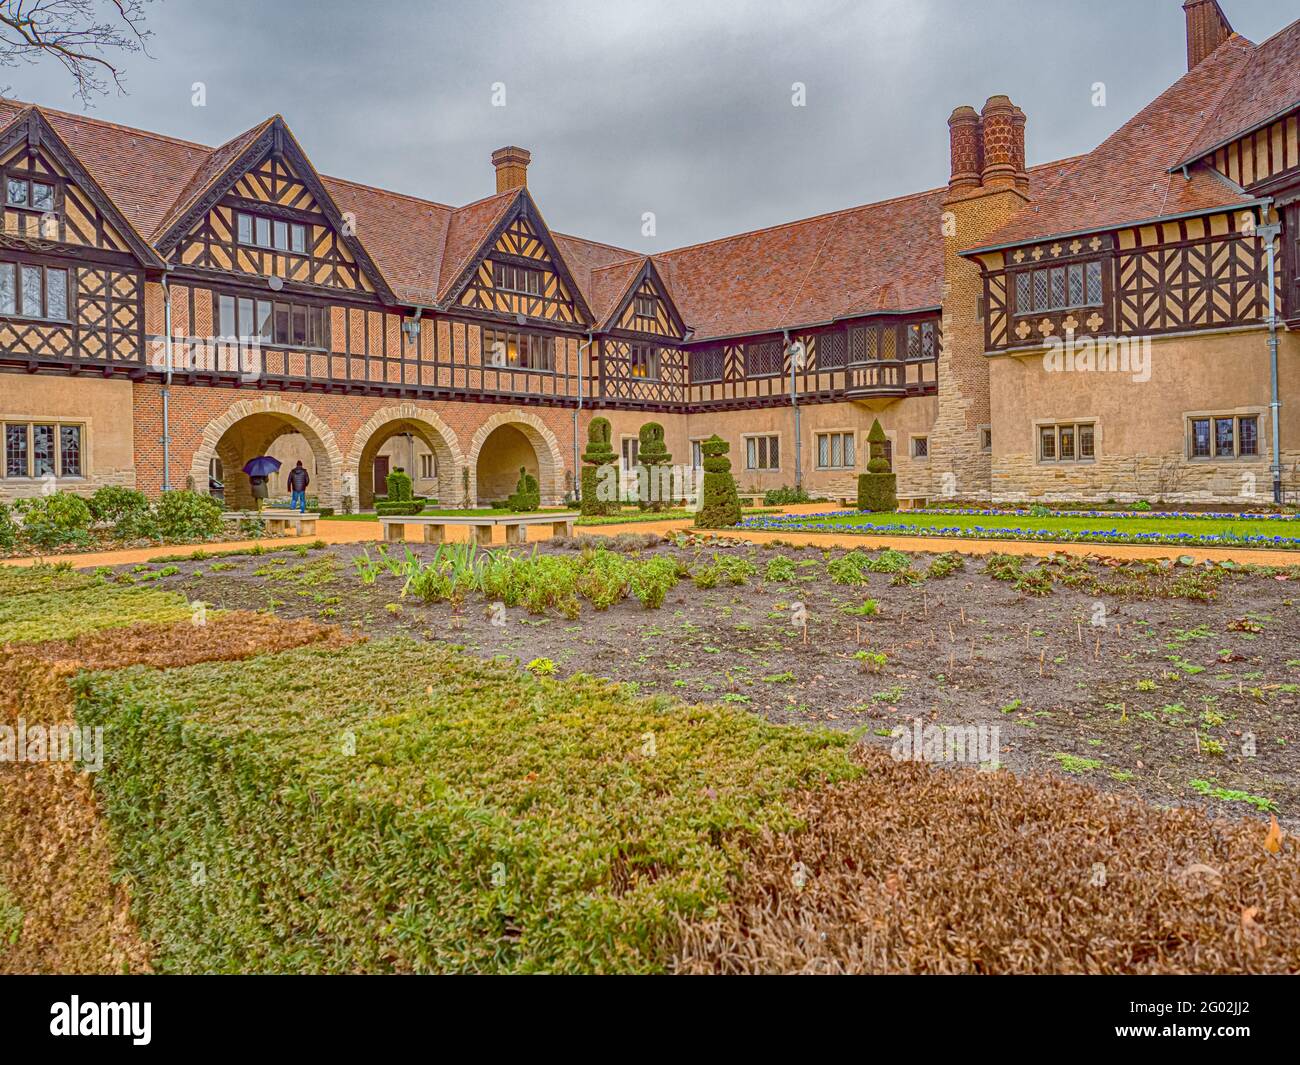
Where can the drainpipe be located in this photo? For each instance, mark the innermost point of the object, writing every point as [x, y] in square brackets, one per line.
[166, 389]
[1269, 234]
[794, 403]
[577, 481]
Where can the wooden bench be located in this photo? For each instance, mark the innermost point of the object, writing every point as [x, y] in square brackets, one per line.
[278, 521]
[516, 525]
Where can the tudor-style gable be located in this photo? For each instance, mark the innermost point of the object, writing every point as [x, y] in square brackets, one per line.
[267, 213]
[518, 270]
[647, 309]
[48, 199]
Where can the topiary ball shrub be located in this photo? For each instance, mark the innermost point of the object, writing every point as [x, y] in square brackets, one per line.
[600, 471]
[399, 486]
[527, 495]
[187, 516]
[720, 507]
[878, 487]
[654, 480]
[55, 520]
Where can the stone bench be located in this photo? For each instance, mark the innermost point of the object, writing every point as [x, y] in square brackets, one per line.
[516, 525]
[278, 521]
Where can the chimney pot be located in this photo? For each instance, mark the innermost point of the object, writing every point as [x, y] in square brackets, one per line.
[512, 167]
[1004, 142]
[1207, 28]
[966, 140]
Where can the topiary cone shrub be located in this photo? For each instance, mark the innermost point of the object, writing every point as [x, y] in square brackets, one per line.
[720, 507]
[878, 487]
[655, 483]
[527, 496]
[399, 486]
[600, 469]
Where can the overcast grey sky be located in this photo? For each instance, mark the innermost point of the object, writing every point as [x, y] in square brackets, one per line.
[671, 106]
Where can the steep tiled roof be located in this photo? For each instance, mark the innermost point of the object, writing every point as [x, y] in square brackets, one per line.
[209, 171]
[1127, 178]
[467, 228]
[1267, 85]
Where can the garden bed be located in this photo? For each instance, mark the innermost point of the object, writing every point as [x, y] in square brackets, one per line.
[464, 793]
[1188, 666]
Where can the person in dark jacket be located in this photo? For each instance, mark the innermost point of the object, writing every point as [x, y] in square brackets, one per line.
[298, 482]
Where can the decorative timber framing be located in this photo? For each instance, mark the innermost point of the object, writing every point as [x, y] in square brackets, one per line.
[276, 142]
[626, 318]
[520, 237]
[31, 128]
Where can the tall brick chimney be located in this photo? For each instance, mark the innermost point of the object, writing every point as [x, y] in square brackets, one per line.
[1004, 142]
[967, 140]
[1207, 28]
[512, 167]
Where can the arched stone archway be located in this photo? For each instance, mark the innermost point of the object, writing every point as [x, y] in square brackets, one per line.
[248, 428]
[546, 451]
[449, 461]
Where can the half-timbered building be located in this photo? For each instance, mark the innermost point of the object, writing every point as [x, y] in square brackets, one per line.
[1092, 328]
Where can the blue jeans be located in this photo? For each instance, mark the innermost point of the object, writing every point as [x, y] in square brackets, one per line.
[299, 502]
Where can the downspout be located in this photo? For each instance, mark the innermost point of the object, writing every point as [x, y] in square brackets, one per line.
[794, 403]
[166, 389]
[577, 411]
[1270, 234]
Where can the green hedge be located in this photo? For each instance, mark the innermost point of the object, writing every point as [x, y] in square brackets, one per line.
[487, 821]
[394, 509]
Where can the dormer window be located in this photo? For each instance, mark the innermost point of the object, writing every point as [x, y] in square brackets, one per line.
[645, 307]
[511, 278]
[259, 231]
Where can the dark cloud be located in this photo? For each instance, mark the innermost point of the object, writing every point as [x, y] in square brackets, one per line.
[678, 108]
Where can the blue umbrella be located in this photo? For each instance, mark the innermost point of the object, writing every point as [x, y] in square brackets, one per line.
[262, 466]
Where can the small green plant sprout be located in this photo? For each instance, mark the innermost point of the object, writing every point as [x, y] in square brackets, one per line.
[393, 608]
[779, 569]
[541, 667]
[1212, 791]
[872, 661]
[868, 609]
[1146, 685]
[945, 565]
[780, 678]
[1072, 763]
[1212, 719]
[1011, 707]
[1209, 745]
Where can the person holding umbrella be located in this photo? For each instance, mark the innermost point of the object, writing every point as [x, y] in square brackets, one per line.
[298, 482]
[259, 472]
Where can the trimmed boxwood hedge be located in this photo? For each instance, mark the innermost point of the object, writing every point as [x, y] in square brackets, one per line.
[402, 807]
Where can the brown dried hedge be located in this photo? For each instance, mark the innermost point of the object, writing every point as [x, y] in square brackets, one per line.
[913, 869]
[55, 852]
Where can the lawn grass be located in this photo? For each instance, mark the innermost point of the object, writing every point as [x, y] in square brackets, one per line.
[1031, 527]
[396, 806]
[62, 615]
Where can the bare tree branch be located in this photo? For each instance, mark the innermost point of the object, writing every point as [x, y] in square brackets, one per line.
[85, 36]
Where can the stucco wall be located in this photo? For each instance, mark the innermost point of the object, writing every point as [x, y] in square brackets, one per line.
[1141, 425]
[103, 407]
